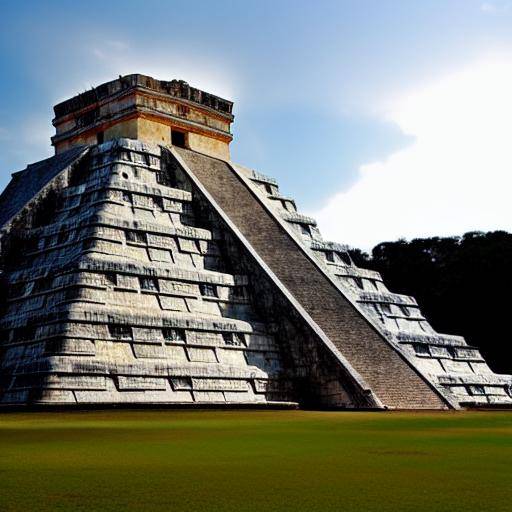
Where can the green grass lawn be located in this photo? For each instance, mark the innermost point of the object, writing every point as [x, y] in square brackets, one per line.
[256, 461]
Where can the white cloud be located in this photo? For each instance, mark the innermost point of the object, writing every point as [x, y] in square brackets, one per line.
[455, 177]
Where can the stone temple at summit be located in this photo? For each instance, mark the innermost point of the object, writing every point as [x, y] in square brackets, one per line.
[141, 266]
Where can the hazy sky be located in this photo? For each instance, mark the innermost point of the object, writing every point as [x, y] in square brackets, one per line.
[384, 119]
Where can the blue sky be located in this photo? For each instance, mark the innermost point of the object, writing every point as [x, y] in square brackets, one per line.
[334, 99]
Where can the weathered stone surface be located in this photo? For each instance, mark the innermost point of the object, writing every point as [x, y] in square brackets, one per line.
[140, 107]
[139, 273]
[117, 323]
[444, 360]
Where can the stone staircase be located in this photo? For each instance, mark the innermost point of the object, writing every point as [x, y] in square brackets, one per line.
[390, 376]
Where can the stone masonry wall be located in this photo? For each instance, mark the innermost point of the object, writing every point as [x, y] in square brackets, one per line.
[116, 296]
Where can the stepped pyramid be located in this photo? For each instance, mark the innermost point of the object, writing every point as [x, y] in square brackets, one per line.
[142, 266]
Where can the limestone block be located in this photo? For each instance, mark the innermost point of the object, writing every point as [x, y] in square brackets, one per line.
[160, 255]
[431, 366]
[139, 383]
[142, 350]
[232, 357]
[198, 261]
[143, 215]
[142, 201]
[440, 351]
[208, 396]
[223, 292]
[481, 368]
[187, 245]
[243, 397]
[107, 233]
[94, 382]
[133, 253]
[178, 288]
[175, 354]
[172, 206]
[147, 335]
[220, 385]
[271, 385]
[466, 353]
[172, 303]
[106, 247]
[76, 330]
[184, 260]
[125, 281]
[132, 300]
[207, 307]
[114, 351]
[456, 366]
[162, 241]
[205, 338]
[495, 390]
[72, 346]
[205, 355]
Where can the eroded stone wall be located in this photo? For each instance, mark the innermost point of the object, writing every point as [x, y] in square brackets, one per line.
[115, 296]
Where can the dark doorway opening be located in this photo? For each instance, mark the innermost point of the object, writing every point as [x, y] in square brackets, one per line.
[178, 138]
[100, 138]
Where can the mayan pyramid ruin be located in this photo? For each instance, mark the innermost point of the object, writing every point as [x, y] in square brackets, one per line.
[140, 266]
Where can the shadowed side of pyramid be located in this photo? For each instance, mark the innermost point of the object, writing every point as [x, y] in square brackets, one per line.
[26, 184]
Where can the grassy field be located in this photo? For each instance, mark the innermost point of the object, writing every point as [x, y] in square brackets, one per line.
[255, 461]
